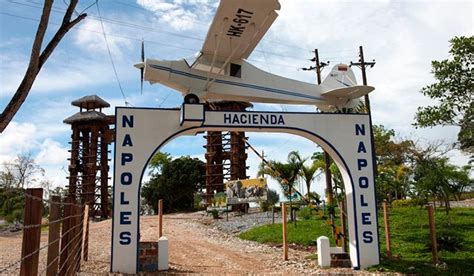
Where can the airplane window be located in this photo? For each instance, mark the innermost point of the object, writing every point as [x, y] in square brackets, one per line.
[235, 70]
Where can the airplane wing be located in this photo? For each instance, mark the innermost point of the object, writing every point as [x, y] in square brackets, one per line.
[238, 26]
[352, 92]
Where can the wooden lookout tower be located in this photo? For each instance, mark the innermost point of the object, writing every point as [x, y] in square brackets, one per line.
[88, 168]
[225, 152]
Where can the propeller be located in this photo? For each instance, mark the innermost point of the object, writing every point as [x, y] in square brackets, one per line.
[142, 69]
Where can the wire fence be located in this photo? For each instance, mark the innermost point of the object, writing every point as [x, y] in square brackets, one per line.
[58, 250]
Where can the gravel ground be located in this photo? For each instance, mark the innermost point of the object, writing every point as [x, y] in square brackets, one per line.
[467, 203]
[242, 223]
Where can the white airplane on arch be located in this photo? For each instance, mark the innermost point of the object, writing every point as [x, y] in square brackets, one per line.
[221, 72]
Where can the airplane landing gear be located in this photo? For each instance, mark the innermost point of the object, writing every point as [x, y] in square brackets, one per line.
[191, 99]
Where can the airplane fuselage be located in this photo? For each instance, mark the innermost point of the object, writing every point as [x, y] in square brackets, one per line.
[250, 84]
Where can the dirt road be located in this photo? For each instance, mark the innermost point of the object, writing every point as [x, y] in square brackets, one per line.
[194, 248]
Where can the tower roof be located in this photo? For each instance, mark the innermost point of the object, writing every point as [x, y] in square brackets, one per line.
[90, 102]
[86, 117]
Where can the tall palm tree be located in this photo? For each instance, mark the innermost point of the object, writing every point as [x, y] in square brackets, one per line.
[285, 173]
[309, 173]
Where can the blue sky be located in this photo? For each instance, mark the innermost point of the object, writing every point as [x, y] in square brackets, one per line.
[403, 37]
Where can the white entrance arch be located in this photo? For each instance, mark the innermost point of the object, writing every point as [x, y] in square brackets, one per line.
[140, 132]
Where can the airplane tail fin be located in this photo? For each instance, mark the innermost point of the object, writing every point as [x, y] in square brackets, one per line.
[341, 83]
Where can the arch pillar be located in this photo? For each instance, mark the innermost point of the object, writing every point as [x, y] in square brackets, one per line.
[140, 132]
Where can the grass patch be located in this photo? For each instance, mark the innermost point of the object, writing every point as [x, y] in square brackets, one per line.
[305, 232]
[410, 239]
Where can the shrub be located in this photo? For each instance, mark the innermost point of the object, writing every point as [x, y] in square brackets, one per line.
[264, 206]
[198, 200]
[449, 242]
[214, 213]
[305, 213]
[16, 216]
[272, 197]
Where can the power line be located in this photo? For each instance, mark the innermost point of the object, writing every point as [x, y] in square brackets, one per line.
[194, 50]
[110, 54]
[149, 29]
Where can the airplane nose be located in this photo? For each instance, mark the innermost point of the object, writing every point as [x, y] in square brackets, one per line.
[155, 70]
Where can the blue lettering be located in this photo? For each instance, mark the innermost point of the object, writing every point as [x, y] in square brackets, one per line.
[227, 118]
[362, 201]
[127, 141]
[243, 119]
[236, 119]
[126, 178]
[361, 148]
[273, 119]
[366, 219]
[127, 121]
[360, 129]
[122, 199]
[280, 120]
[125, 217]
[126, 157]
[363, 182]
[125, 238]
[367, 236]
[361, 163]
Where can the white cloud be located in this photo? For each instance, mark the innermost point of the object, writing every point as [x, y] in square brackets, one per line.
[22, 138]
[90, 38]
[178, 14]
[52, 153]
[17, 138]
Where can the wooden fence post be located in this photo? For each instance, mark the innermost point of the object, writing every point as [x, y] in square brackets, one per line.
[434, 244]
[285, 231]
[72, 241]
[32, 235]
[388, 241]
[344, 226]
[160, 218]
[76, 263]
[53, 235]
[273, 214]
[85, 245]
[66, 235]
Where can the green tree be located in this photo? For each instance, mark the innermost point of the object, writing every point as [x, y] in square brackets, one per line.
[434, 177]
[285, 173]
[158, 161]
[454, 93]
[394, 163]
[21, 172]
[337, 188]
[309, 173]
[272, 197]
[175, 182]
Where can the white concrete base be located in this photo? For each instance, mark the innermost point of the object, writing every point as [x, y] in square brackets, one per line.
[163, 256]
[336, 250]
[324, 252]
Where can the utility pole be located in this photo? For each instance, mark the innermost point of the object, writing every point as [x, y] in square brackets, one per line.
[327, 160]
[362, 64]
